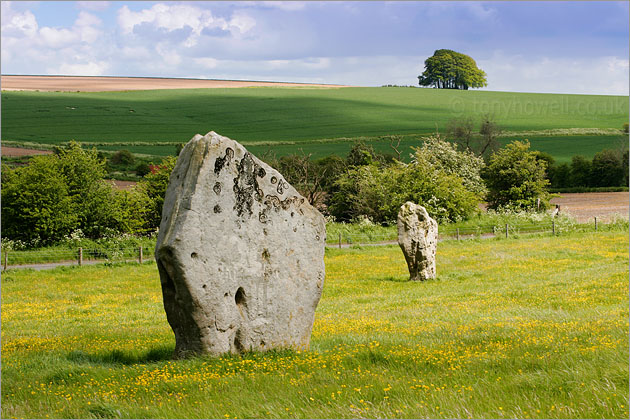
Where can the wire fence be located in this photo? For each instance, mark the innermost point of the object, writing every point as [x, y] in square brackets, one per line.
[450, 232]
[77, 256]
[140, 254]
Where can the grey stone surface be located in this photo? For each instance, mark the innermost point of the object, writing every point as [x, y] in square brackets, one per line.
[240, 253]
[417, 237]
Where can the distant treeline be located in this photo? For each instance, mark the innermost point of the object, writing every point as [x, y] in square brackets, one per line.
[608, 168]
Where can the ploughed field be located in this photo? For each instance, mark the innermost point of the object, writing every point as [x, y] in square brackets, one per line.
[105, 84]
[318, 120]
[586, 206]
[534, 327]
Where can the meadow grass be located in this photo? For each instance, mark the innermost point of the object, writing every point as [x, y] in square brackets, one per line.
[288, 117]
[528, 328]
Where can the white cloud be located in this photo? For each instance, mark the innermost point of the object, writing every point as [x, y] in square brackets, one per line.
[599, 75]
[18, 24]
[56, 38]
[171, 18]
[170, 57]
[242, 22]
[206, 62]
[84, 31]
[81, 69]
[87, 19]
[31, 48]
[135, 53]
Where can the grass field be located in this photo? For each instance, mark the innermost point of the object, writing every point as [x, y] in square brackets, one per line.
[527, 328]
[322, 121]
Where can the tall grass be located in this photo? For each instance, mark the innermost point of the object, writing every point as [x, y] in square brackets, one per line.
[528, 328]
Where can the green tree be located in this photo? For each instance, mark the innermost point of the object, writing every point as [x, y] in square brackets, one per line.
[142, 169]
[360, 154]
[92, 196]
[123, 158]
[36, 205]
[448, 69]
[580, 171]
[154, 186]
[560, 175]
[334, 166]
[445, 156]
[515, 178]
[132, 210]
[607, 169]
[379, 191]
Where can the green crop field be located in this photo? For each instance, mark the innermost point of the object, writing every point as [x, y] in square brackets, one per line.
[318, 121]
[512, 328]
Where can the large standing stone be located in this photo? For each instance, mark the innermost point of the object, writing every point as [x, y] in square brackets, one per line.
[240, 253]
[417, 237]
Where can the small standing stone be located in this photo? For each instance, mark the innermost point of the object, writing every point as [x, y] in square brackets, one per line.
[417, 237]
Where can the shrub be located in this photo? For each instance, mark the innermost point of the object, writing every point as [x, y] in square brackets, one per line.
[154, 186]
[63, 193]
[142, 169]
[460, 163]
[123, 157]
[516, 178]
[378, 192]
[92, 197]
[360, 155]
[580, 172]
[607, 169]
[132, 211]
[560, 175]
[36, 205]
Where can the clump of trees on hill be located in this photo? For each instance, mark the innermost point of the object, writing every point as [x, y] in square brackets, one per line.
[448, 69]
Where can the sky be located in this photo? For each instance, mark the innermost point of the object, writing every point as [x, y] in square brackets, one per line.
[547, 47]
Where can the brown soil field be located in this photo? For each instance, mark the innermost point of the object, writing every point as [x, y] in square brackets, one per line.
[19, 151]
[104, 84]
[585, 206]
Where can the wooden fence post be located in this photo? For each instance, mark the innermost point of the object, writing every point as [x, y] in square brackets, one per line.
[506, 230]
[595, 223]
[553, 227]
[140, 255]
[80, 256]
[339, 240]
[6, 259]
[458, 234]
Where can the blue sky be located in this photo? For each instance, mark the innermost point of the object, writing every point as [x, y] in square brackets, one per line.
[566, 47]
